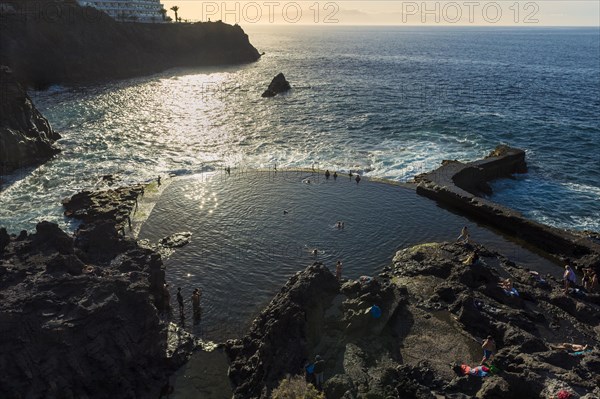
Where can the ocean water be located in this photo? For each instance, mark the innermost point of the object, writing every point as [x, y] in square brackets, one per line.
[388, 101]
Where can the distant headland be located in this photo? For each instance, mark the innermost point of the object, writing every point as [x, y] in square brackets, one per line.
[64, 43]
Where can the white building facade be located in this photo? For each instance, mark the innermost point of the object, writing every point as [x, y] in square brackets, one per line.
[128, 10]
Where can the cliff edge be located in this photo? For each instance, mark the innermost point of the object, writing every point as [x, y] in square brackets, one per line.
[59, 42]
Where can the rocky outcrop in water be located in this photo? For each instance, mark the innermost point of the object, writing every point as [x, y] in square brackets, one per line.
[26, 137]
[460, 186]
[58, 42]
[79, 315]
[435, 310]
[277, 86]
[104, 205]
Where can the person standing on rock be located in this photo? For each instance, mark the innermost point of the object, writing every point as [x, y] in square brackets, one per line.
[196, 302]
[180, 301]
[338, 270]
[166, 297]
[464, 236]
[489, 348]
[318, 371]
[569, 277]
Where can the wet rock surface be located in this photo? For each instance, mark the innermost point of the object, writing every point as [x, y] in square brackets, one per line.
[112, 205]
[26, 137]
[435, 312]
[80, 315]
[277, 86]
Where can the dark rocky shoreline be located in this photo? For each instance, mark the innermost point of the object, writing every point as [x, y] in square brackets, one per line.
[26, 137]
[82, 318]
[81, 314]
[435, 310]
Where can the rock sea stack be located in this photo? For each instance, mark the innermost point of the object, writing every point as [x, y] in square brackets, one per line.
[278, 85]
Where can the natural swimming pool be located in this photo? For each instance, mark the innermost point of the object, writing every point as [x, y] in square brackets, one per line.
[253, 230]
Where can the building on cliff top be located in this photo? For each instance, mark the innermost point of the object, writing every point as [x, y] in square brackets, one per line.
[128, 10]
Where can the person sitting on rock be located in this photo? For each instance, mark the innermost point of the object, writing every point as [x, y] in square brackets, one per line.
[508, 288]
[365, 280]
[318, 370]
[506, 285]
[538, 279]
[472, 259]
[464, 236]
[586, 280]
[593, 282]
[569, 277]
[489, 348]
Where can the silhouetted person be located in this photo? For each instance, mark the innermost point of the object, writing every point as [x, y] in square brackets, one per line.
[357, 179]
[327, 174]
[334, 175]
[196, 302]
[158, 180]
[166, 297]
[180, 301]
[319, 368]
[338, 270]
[350, 175]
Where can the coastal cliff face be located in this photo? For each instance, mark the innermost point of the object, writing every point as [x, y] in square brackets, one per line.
[26, 137]
[435, 311]
[56, 42]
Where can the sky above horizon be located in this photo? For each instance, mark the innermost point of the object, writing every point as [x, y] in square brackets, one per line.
[359, 12]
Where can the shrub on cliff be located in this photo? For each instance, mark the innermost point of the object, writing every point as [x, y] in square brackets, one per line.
[296, 388]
